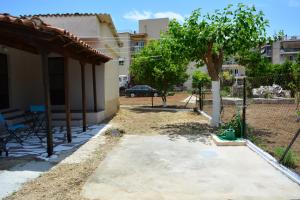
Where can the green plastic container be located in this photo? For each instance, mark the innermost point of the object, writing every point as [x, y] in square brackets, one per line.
[228, 134]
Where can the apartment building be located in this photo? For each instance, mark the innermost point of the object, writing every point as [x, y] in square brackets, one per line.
[153, 27]
[282, 50]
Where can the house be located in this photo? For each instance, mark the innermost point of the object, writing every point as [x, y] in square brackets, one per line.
[285, 49]
[41, 64]
[98, 31]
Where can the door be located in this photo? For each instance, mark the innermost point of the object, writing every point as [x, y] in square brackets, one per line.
[4, 92]
[56, 79]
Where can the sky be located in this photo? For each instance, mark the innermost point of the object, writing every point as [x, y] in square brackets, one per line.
[282, 14]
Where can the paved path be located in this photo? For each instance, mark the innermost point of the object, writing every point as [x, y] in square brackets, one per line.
[159, 167]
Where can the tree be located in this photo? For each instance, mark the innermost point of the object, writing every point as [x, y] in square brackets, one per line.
[209, 38]
[160, 65]
[255, 63]
[200, 78]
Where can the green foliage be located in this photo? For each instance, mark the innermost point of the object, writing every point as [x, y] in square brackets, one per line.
[227, 79]
[211, 37]
[235, 123]
[160, 65]
[256, 65]
[200, 78]
[290, 159]
[262, 72]
[226, 91]
[279, 36]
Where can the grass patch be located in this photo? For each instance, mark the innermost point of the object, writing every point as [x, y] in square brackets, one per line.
[290, 159]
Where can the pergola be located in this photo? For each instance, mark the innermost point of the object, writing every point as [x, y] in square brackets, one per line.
[33, 35]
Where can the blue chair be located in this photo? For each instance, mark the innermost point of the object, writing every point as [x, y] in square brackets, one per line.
[13, 130]
[38, 119]
[3, 136]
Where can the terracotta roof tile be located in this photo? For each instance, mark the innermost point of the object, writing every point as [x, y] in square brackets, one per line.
[36, 23]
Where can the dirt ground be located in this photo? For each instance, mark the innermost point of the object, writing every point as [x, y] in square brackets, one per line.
[273, 125]
[65, 181]
[138, 121]
[172, 101]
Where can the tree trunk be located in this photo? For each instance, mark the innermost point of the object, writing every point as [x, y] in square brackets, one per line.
[164, 100]
[215, 121]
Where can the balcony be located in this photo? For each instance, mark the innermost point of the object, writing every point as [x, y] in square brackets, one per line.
[136, 49]
[289, 50]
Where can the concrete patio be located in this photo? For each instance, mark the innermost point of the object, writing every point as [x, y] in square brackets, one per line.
[163, 167]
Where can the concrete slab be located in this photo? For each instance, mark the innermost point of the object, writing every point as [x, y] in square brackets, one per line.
[219, 142]
[159, 167]
[12, 180]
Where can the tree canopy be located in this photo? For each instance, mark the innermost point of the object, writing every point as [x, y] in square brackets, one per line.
[160, 65]
[209, 38]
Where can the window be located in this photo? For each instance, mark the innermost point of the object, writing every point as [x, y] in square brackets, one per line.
[121, 61]
[236, 71]
[4, 94]
[291, 58]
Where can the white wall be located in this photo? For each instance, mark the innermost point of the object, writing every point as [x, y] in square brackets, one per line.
[82, 26]
[125, 53]
[153, 27]
[26, 84]
[99, 36]
[25, 78]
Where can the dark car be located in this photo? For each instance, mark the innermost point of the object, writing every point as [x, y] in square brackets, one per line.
[141, 90]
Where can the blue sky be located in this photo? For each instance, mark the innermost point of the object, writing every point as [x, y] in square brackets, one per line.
[282, 14]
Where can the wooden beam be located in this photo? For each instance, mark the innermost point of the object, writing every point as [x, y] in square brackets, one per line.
[67, 99]
[95, 88]
[44, 56]
[83, 96]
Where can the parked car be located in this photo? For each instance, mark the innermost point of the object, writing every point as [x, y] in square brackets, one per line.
[141, 90]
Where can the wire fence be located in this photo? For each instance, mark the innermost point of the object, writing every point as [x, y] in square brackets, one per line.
[272, 112]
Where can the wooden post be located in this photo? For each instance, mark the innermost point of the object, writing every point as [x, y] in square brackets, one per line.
[67, 99]
[44, 56]
[95, 88]
[83, 96]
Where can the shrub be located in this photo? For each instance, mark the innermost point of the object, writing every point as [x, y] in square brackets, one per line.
[290, 159]
[235, 123]
[202, 78]
[225, 91]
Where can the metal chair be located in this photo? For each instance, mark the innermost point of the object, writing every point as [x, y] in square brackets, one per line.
[38, 119]
[11, 131]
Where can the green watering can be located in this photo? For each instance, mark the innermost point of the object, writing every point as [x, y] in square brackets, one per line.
[228, 134]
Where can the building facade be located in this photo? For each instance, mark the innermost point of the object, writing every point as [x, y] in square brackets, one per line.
[153, 27]
[98, 31]
[286, 49]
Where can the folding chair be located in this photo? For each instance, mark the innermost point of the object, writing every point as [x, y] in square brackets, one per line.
[3, 138]
[14, 129]
[38, 119]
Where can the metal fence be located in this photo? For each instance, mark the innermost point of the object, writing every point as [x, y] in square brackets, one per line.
[269, 112]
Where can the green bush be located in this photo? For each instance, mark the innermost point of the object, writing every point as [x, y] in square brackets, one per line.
[290, 159]
[202, 78]
[226, 91]
[235, 123]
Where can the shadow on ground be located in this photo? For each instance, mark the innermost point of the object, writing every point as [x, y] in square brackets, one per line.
[149, 110]
[192, 131]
